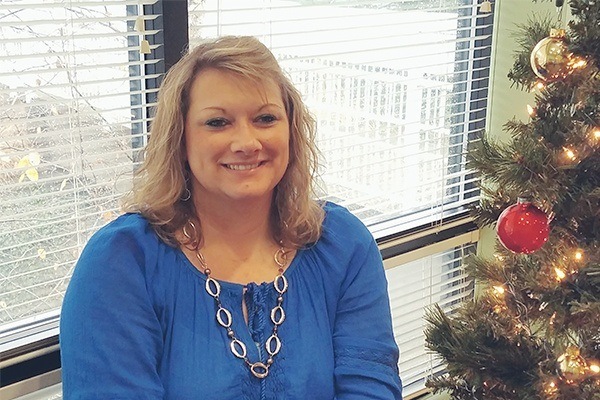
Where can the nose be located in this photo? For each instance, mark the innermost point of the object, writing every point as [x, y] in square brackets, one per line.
[245, 140]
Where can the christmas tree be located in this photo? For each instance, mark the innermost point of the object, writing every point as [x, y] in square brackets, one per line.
[533, 330]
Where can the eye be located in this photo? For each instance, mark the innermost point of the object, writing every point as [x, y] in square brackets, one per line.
[266, 119]
[217, 122]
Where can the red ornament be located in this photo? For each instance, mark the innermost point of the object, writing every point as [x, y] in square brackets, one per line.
[522, 227]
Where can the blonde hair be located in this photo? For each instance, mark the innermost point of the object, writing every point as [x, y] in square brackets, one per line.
[160, 184]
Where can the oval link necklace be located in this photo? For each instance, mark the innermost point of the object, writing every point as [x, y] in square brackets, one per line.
[225, 319]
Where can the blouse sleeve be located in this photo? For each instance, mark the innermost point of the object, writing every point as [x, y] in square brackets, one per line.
[110, 336]
[366, 354]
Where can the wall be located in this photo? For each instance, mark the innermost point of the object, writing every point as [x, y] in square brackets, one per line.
[506, 102]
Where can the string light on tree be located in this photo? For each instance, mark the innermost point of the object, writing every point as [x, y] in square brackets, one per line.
[570, 153]
[568, 156]
[522, 227]
[551, 388]
[540, 85]
[552, 319]
[499, 290]
[577, 62]
[498, 309]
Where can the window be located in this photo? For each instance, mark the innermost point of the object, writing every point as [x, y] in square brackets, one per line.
[416, 282]
[73, 97]
[370, 70]
[397, 87]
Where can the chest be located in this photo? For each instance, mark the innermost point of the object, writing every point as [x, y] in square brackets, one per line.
[197, 361]
[263, 267]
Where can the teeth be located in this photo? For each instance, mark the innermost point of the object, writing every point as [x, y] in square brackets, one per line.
[242, 167]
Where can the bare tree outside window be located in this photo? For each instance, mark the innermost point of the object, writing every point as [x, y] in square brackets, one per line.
[66, 154]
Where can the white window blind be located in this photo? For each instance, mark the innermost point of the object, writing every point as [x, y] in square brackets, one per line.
[414, 287]
[73, 101]
[391, 85]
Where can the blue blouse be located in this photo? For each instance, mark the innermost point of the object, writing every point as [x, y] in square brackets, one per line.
[137, 323]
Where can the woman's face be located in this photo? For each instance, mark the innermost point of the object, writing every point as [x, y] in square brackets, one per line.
[237, 137]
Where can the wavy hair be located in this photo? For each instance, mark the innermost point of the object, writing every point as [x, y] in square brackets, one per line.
[160, 184]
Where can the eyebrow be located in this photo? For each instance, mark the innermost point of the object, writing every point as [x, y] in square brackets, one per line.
[261, 107]
[213, 108]
[270, 104]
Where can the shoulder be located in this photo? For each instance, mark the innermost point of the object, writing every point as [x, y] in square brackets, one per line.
[125, 229]
[341, 225]
[345, 250]
[121, 255]
[126, 224]
[344, 237]
[128, 236]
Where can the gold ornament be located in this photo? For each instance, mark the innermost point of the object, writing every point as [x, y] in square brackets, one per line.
[571, 364]
[551, 59]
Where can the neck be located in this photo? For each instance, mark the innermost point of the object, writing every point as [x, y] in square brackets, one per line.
[243, 224]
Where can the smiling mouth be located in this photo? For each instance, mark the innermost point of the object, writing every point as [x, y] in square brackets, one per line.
[242, 167]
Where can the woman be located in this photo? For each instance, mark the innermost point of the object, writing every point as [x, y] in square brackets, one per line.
[166, 302]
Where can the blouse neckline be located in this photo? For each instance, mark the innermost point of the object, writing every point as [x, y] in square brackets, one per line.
[239, 286]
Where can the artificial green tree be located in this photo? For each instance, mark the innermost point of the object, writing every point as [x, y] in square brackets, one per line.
[533, 330]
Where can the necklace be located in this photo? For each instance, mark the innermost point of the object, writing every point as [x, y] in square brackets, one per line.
[225, 319]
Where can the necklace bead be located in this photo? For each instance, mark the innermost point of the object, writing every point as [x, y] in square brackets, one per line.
[224, 317]
[259, 370]
[212, 287]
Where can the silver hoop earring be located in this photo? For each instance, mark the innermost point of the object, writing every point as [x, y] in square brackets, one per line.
[186, 192]
[186, 195]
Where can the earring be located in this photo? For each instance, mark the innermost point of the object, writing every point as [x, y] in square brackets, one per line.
[186, 195]
[186, 192]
